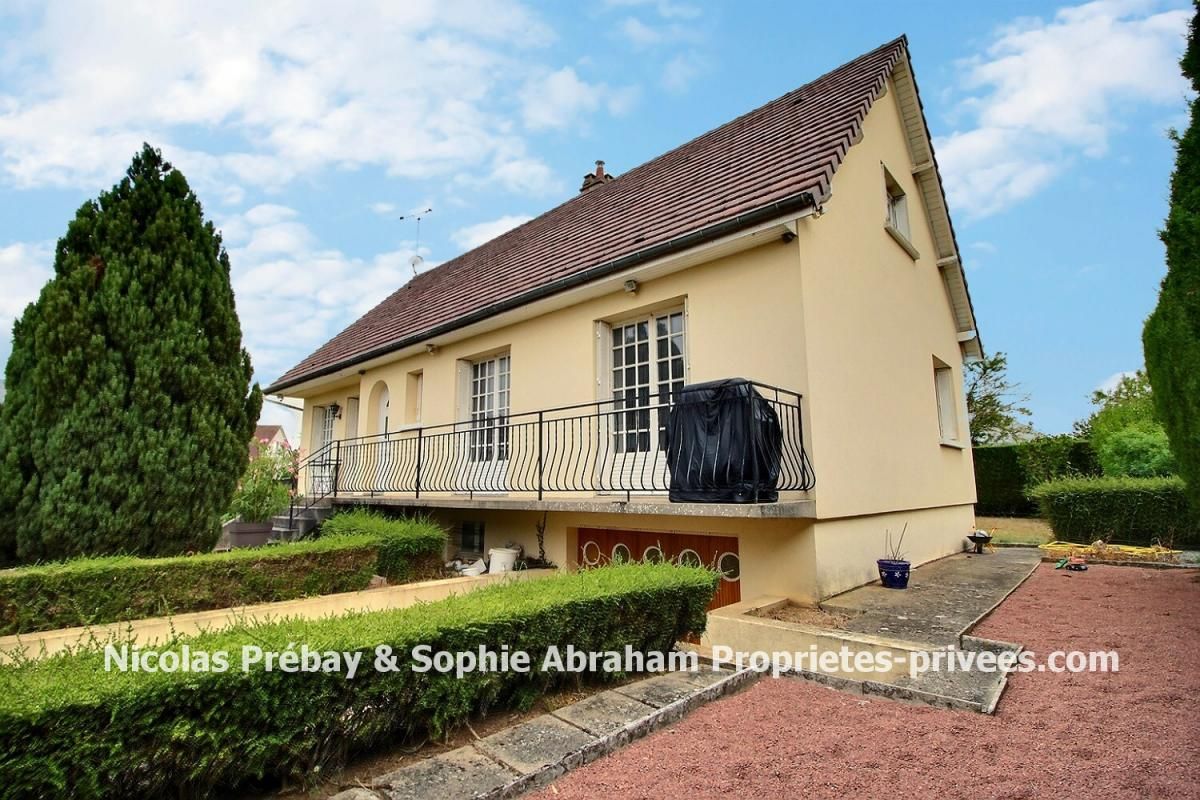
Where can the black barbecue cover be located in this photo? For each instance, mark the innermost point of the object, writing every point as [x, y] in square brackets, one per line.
[723, 444]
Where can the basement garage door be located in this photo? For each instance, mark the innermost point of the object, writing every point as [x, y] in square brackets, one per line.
[599, 546]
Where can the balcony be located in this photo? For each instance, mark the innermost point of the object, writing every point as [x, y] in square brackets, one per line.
[740, 444]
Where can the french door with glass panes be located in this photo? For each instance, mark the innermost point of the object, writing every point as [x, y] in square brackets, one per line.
[647, 368]
[488, 432]
[321, 479]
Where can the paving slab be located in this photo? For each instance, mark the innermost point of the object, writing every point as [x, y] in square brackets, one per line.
[355, 794]
[603, 713]
[534, 753]
[703, 677]
[464, 772]
[534, 745]
[943, 599]
[659, 691]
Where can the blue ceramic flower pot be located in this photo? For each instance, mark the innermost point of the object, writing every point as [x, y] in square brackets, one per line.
[893, 574]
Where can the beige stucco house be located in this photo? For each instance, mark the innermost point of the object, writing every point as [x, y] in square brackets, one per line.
[805, 246]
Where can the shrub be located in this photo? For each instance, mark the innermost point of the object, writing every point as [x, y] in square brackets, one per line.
[263, 490]
[397, 554]
[70, 728]
[95, 591]
[1139, 511]
[1004, 474]
[1139, 451]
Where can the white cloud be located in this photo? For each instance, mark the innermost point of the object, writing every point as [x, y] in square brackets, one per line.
[1047, 92]
[419, 89]
[292, 294]
[556, 99]
[472, 236]
[680, 71]
[24, 269]
[639, 33]
[525, 175]
[1112, 381]
[383, 209]
[665, 8]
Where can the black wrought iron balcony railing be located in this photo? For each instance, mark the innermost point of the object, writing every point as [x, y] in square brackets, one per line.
[727, 441]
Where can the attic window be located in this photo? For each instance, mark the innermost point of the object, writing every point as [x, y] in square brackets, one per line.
[896, 213]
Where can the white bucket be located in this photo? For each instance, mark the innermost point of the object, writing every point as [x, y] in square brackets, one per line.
[502, 559]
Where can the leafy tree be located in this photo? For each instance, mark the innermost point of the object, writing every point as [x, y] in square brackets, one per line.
[1125, 430]
[129, 405]
[994, 403]
[1129, 403]
[1139, 451]
[1172, 335]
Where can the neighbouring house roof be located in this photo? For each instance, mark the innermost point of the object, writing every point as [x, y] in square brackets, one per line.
[267, 433]
[776, 159]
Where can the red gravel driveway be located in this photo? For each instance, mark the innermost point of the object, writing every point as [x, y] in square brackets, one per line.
[1135, 733]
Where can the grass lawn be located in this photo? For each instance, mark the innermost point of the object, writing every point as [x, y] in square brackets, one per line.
[1016, 530]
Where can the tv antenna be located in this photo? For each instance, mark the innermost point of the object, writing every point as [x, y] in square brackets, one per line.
[416, 261]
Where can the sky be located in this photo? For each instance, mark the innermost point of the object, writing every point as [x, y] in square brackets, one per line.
[308, 132]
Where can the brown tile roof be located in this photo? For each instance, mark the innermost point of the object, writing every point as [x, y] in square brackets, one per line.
[773, 159]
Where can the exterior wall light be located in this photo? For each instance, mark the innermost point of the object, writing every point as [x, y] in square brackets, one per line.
[631, 286]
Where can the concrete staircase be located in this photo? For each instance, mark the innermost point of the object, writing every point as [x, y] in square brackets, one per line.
[301, 525]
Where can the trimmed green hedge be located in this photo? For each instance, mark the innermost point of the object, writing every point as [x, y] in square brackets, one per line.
[1004, 474]
[72, 729]
[1000, 483]
[95, 591]
[1137, 511]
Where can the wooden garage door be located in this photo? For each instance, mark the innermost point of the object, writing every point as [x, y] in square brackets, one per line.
[600, 546]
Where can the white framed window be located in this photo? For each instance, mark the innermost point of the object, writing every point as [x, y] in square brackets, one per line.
[897, 204]
[489, 409]
[647, 367]
[412, 397]
[895, 220]
[947, 402]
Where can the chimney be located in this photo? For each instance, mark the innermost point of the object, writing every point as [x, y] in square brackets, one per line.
[598, 178]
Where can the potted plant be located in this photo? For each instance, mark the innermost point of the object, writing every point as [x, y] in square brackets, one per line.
[262, 493]
[893, 568]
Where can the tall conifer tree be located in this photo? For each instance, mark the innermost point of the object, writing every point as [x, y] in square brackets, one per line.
[129, 406]
[1172, 335]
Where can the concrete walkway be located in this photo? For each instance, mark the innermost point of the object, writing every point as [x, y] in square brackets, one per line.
[534, 753]
[944, 601]
[161, 629]
[944, 598]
